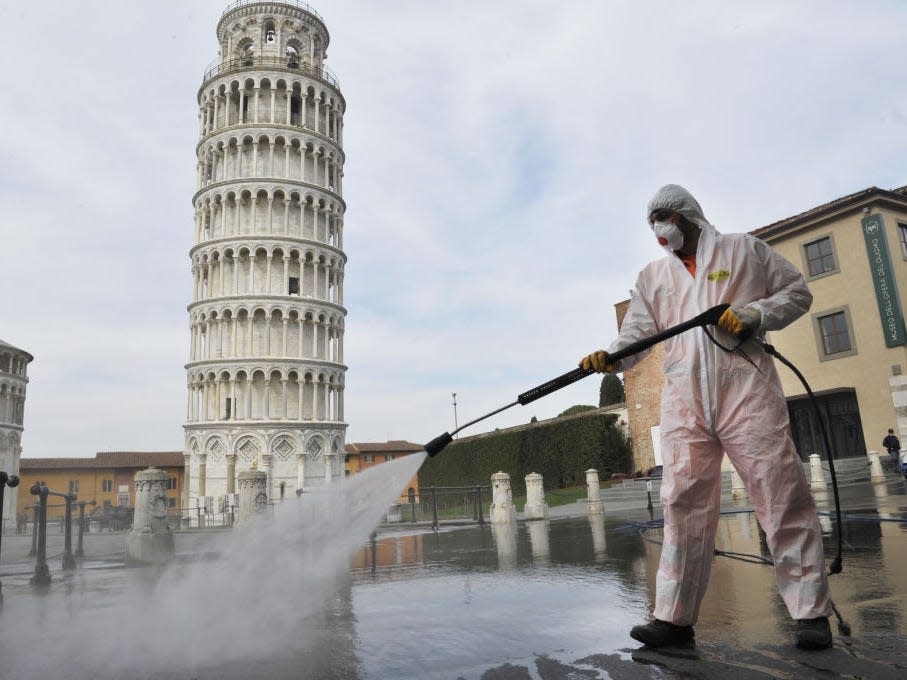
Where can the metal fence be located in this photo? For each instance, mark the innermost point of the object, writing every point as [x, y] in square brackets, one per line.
[439, 504]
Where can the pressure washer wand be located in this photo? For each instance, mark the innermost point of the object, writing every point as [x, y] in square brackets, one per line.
[708, 317]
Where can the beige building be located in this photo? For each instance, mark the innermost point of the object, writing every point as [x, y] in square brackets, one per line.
[851, 346]
[108, 478]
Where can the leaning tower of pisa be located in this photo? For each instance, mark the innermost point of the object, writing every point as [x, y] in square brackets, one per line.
[266, 373]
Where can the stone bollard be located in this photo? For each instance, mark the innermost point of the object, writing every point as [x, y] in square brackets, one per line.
[738, 490]
[876, 474]
[502, 510]
[816, 473]
[150, 541]
[536, 507]
[593, 493]
[253, 496]
[394, 513]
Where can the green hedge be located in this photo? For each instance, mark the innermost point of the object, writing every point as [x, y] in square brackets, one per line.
[559, 450]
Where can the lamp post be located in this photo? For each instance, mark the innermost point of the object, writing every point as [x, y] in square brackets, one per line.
[82, 504]
[454, 394]
[11, 481]
[34, 529]
[42, 573]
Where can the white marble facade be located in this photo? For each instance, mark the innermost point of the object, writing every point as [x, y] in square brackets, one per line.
[13, 380]
[266, 372]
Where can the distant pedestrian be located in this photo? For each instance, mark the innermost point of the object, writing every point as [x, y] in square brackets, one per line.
[893, 445]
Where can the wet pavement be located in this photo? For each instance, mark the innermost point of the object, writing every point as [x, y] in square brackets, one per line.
[539, 600]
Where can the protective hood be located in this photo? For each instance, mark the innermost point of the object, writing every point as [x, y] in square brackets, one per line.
[675, 197]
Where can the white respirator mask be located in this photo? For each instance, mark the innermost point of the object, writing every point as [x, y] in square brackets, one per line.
[668, 234]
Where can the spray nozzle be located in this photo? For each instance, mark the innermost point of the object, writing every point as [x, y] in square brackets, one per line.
[436, 445]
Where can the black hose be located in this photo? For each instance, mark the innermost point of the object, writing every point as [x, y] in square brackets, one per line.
[836, 565]
[709, 316]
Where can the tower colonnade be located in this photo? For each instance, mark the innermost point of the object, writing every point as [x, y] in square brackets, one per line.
[247, 394]
[272, 98]
[223, 332]
[270, 154]
[264, 210]
[265, 376]
[266, 269]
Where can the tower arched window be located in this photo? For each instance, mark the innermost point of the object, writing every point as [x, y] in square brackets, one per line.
[270, 32]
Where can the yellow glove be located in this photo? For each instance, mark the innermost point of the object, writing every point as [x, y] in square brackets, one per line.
[598, 361]
[740, 322]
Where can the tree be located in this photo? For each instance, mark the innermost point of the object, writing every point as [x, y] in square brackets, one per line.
[579, 408]
[611, 391]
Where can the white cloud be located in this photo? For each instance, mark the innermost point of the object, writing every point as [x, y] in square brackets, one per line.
[499, 159]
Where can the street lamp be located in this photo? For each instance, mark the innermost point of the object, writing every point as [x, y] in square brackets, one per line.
[454, 394]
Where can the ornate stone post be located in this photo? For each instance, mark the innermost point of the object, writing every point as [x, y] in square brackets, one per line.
[150, 540]
[253, 497]
[536, 507]
[502, 510]
[593, 493]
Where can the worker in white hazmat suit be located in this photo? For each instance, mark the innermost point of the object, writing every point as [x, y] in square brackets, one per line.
[715, 401]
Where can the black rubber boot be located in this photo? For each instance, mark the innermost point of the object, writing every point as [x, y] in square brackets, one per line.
[814, 633]
[663, 634]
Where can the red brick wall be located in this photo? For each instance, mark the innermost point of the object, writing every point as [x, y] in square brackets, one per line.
[642, 386]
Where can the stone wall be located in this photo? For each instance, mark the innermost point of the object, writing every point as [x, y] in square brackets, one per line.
[642, 386]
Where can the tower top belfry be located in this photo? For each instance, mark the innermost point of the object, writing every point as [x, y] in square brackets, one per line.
[272, 31]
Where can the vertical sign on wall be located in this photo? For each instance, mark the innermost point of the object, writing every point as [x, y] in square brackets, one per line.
[883, 280]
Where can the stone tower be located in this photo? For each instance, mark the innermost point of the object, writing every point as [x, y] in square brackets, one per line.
[265, 372]
[13, 379]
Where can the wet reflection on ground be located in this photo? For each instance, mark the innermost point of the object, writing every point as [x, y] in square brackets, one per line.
[556, 599]
[544, 600]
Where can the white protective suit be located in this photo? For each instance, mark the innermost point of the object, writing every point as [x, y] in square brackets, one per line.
[715, 401]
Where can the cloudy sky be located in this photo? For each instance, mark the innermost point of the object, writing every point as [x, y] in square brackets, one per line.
[500, 155]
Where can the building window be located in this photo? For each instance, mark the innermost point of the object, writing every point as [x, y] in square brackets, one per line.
[820, 257]
[368, 458]
[293, 287]
[388, 458]
[902, 235]
[171, 483]
[834, 334]
[171, 502]
[73, 486]
[227, 408]
[107, 485]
